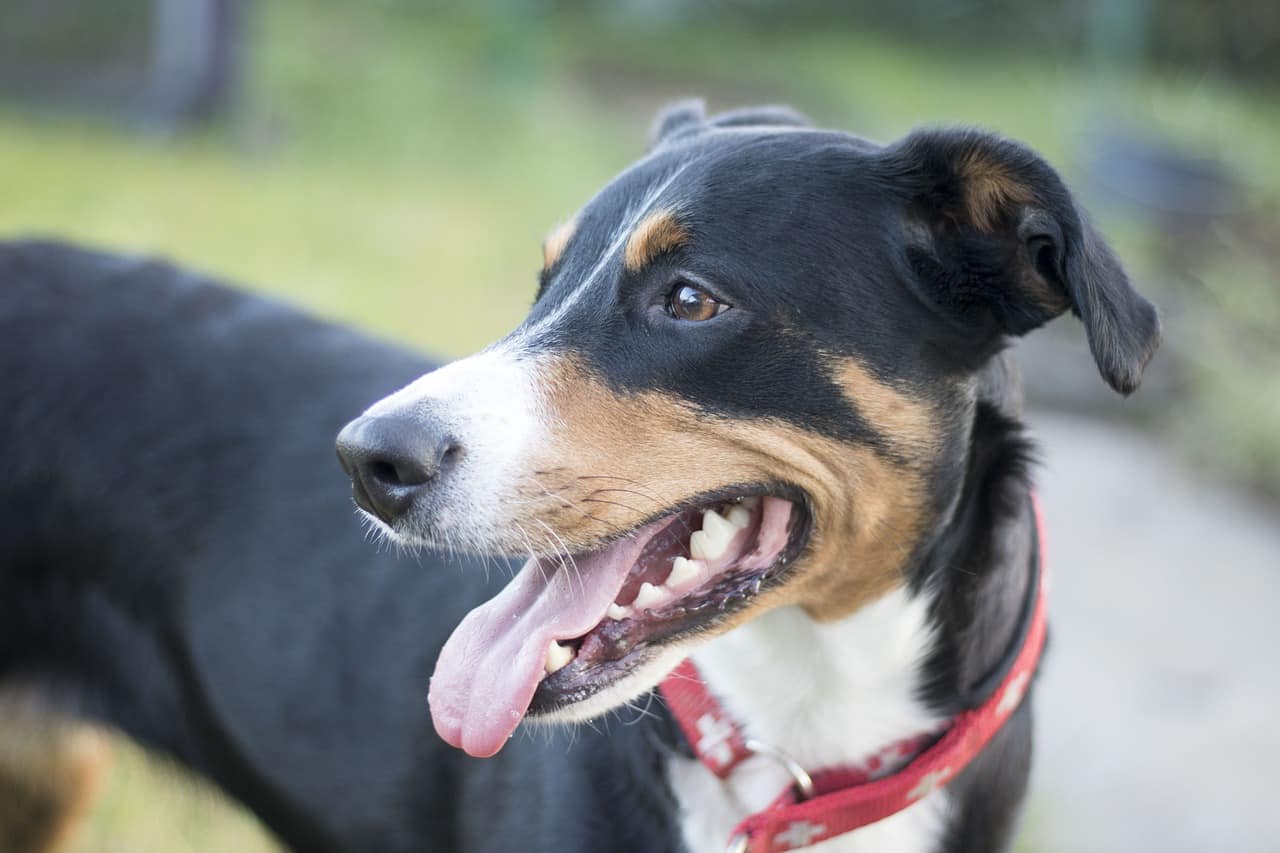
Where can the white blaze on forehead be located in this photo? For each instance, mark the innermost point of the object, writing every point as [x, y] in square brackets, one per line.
[490, 404]
[613, 252]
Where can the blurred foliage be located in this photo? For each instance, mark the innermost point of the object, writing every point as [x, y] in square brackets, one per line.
[395, 164]
[1235, 37]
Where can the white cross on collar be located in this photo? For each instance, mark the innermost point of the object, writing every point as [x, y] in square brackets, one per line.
[714, 741]
[801, 833]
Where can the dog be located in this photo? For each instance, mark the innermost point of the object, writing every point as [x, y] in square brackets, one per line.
[758, 417]
[758, 439]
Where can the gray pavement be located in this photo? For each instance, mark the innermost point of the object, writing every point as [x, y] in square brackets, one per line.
[1159, 710]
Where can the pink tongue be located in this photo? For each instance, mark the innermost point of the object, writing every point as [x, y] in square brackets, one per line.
[490, 666]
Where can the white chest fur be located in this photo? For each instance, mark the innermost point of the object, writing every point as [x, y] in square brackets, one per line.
[825, 694]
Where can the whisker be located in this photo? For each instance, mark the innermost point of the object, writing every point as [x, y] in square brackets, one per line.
[627, 507]
[564, 548]
[635, 483]
[628, 492]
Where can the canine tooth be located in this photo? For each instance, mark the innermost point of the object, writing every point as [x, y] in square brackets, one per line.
[715, 523]
[683, 571]
[558, 657]
[712, 540]
[740, 516]
[648, 596]
[617, 611]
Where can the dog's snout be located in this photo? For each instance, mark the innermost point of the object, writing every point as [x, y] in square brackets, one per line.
[392, 460]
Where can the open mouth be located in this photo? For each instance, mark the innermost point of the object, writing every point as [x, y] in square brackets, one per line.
[566, 629]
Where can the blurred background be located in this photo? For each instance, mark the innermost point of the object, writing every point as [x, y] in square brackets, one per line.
[394, 164]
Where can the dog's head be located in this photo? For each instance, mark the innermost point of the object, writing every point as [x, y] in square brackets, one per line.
[747, 382]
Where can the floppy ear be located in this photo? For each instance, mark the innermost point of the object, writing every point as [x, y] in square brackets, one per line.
[996, 240]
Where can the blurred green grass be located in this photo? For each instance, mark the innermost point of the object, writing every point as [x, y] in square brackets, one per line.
[397, 169]
[151, 806]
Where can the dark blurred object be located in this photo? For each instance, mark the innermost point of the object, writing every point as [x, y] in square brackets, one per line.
[1180, 187]
[159, 62]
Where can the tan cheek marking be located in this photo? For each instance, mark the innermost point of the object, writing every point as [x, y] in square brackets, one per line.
[989, 190]
[615, 460]
[910, 423]
[553, 247]
[658, 232]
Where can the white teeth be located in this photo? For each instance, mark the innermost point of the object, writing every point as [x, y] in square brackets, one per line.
[648, 596]
[558, 657]
[740, 516]
[617, 611]
[716, 524]
[711, 541]
[683, 572]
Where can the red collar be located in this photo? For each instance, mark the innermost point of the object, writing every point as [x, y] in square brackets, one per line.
[842, 799]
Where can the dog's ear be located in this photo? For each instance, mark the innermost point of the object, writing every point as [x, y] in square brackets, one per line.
[677, 118]
[684, 117]
[769, 115]
[995, 239]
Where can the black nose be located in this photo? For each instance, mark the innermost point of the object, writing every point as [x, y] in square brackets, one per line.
[393, 460]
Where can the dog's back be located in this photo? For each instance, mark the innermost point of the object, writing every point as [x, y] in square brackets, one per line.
[182, 561]
[180, 555]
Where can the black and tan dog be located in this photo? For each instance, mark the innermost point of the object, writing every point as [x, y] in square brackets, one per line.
[759, 415]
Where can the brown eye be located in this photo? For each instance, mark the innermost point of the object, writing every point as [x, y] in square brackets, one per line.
[687, 302]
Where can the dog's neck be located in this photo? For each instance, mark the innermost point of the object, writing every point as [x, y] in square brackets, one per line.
[842, 692]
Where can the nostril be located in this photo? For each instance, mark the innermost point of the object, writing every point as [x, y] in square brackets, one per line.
[385, 472]
[450, 454]
[400, 471]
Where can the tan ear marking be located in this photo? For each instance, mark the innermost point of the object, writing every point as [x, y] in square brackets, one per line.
[658, 232]
[989, 189]
[553, 246]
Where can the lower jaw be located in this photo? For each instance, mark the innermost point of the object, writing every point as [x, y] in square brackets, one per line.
[579, 682]
[594, 700]
[558, 694]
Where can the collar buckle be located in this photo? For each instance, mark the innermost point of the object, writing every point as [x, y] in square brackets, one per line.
[803, 781]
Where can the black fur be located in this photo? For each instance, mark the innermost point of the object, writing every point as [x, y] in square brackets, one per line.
[980, 275]
[181, 560]
[180, 551]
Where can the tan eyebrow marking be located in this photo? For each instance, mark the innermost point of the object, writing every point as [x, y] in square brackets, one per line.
[553, 246]
[658, 232]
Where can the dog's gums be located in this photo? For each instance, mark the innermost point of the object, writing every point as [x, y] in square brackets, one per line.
[567, 627]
